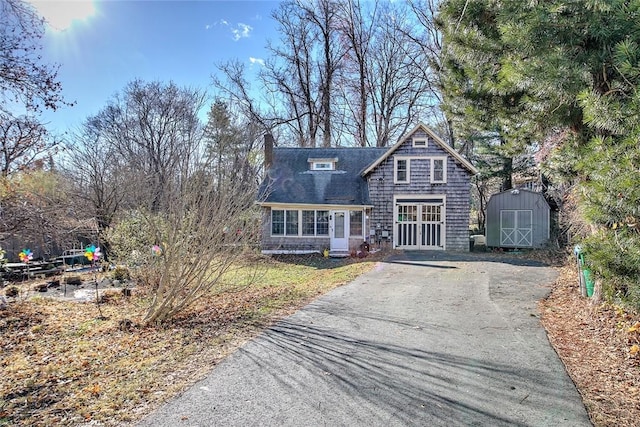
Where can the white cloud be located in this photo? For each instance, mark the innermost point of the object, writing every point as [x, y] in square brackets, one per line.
[242, 31]
[256, 60]
[207, 27]
[224, 22]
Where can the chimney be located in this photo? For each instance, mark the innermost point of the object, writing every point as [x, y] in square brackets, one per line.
[268, 150]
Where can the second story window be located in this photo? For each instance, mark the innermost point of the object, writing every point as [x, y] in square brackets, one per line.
[420, 143]
[401, 173]
[439, 170]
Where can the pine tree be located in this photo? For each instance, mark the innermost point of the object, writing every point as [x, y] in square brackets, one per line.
[567, 73]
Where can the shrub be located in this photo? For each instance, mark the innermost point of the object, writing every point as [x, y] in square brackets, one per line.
[121, 273]
[12, 291]
[614, 255]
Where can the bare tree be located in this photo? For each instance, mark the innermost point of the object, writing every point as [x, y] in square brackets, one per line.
[26, 85]
[34, 212]
[236, 89]
[324, 18]
[23, 140]
[342, 70]
[23, 79]
[357, 29]
[398, 92]
[293, 73]
[155, 128]
[101, 182]
[427, 37]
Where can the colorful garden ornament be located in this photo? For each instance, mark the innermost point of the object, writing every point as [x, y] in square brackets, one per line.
[156, 250]
[26, 255]
[92, 253]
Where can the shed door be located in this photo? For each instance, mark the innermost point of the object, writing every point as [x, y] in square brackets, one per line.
[516, 228]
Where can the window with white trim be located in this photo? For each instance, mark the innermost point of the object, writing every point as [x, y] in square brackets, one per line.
[322, 166]
[401, 171]
[355, 223]
[322, 223]
[291, 223]
[308, 223]
[439, 170]
[277, 222]
[420, 142]
[299, 222]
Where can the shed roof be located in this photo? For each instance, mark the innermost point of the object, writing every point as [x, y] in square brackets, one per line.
[513, 196]
[290, 180]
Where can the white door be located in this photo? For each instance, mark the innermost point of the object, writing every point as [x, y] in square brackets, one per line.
[431, 226]
[420, 226]
[339, 230]
[516, 228]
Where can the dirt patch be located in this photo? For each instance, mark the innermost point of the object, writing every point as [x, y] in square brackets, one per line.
[81, 287]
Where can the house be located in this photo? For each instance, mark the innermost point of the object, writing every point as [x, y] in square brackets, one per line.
[518, 218]
[414, 195]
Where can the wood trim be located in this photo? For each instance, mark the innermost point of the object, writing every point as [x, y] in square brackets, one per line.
[457, 156]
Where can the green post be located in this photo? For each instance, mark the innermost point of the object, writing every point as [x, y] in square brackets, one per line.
[585, 277]
[588, 282]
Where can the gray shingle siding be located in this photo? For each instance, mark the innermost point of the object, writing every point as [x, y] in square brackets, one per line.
[456, 190]
[291, 185]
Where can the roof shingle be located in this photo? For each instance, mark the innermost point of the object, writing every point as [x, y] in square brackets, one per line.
[291, 181]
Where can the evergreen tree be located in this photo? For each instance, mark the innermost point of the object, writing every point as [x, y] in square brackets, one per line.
[570, 73]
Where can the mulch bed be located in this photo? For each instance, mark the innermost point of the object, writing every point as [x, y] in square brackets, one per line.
[598, 344]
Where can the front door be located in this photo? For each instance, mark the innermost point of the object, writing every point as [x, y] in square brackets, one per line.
[339, 230]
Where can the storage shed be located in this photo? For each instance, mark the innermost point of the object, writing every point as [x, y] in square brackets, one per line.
[518, 218]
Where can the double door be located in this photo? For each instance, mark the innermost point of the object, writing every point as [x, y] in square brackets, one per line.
[419, 226]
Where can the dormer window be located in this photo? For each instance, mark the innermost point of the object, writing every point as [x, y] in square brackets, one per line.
[323, 164]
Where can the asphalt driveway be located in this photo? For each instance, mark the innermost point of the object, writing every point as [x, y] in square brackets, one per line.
[426, 339]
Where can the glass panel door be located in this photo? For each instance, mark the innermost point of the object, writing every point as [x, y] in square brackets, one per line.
[339, 231]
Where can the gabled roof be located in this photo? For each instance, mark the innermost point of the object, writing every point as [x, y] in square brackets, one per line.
[521, 193]
[421, 126]
[290, 181]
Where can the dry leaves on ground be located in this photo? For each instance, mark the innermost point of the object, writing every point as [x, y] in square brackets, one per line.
[598, 344]
[66, 363]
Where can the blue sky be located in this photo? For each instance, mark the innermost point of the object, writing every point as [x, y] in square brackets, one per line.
[115, 41]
